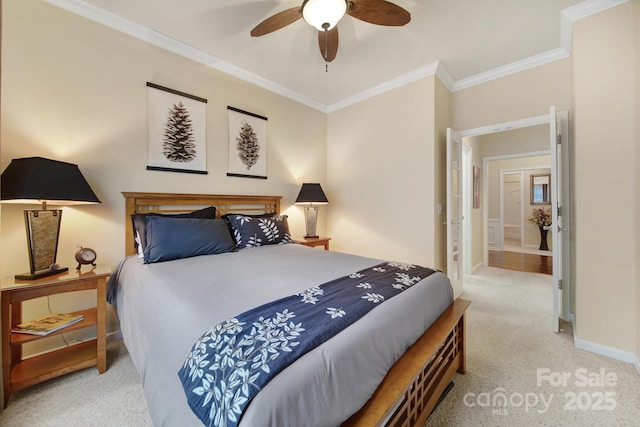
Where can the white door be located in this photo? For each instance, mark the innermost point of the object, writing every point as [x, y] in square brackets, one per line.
[560, 214]
[467, 205]
[555, 226]
[564, 204]
[454, 208]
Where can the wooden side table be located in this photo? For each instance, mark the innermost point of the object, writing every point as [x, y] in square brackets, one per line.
[19, 373]
[314, 241]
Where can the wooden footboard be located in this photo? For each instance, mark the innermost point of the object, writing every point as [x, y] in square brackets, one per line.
[411, 389]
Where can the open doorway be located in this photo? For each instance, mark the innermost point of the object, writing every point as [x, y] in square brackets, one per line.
[500, 142]
[512, 209]
[524, 246]
[501, 217]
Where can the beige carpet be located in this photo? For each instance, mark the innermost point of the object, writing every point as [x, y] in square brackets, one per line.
[83, 398]
[509, 338]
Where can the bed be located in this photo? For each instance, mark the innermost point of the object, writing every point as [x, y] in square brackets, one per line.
[164, 307]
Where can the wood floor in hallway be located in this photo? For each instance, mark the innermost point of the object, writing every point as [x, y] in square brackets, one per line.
[521, 262]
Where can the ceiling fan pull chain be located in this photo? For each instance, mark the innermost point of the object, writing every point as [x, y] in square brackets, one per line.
[326, 45]
[326, 40]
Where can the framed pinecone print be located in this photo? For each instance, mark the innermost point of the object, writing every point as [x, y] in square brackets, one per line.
[177, 131]
[247, 144]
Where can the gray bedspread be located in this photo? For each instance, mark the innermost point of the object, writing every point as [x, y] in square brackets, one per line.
[165, 307]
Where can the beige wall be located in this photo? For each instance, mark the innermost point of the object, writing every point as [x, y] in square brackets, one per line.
[75, 91]
[524, 140]
[380, 157]
[442, 122]
[605, 187]
[385, 160]
[525, 94]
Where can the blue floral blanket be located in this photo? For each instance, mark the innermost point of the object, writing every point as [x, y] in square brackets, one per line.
[235, 359]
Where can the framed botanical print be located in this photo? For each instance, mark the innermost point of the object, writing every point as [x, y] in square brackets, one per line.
[177, 131]
[247, 144]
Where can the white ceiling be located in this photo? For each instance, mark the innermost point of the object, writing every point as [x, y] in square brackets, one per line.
[467, 38]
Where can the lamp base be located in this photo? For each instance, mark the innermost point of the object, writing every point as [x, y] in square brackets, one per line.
[40, 274]
[310, 221]
[311, 237]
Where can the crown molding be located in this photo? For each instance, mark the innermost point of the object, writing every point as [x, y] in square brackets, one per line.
[434, 68]
[512, 68]
[396, 82]
[567, 18]
[445, 77]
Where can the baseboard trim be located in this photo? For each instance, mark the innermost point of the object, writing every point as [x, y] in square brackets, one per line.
[603, 350]
[477, 267]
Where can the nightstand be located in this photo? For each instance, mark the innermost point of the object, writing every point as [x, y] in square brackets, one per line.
[19, 373]
[314, 241]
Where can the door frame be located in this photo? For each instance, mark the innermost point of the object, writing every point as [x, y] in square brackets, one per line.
[542, 119]
[502, 127]
[467, 188]
[455, 256]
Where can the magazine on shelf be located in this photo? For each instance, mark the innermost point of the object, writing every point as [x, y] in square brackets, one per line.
[47, 324]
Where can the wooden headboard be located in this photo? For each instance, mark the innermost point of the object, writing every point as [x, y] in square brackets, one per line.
[167, 203]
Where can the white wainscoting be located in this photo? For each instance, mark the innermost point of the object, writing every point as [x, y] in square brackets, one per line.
[495, 240]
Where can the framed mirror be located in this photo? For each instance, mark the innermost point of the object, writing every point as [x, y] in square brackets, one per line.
[541, 189]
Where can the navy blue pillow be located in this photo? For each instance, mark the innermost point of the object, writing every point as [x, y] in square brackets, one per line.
[140, 222]
[251, 231]
[175, 238]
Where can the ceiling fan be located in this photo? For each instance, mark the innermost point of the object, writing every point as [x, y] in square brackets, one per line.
[325, 14]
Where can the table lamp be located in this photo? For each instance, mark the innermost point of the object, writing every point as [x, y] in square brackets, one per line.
[311, 194]
[39, 180]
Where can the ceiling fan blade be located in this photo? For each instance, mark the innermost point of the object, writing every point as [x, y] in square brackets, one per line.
[380, 12]
[328, 43]
[277, 21]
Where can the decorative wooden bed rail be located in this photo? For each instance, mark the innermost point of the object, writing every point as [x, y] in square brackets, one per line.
[412, 387]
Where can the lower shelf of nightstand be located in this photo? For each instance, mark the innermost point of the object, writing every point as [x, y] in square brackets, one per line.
[89, 319]
[34, 370]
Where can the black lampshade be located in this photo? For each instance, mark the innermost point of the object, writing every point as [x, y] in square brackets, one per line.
[311, 193]
[38, 179]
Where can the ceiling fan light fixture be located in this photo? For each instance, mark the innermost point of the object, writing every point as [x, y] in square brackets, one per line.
[323, 14]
